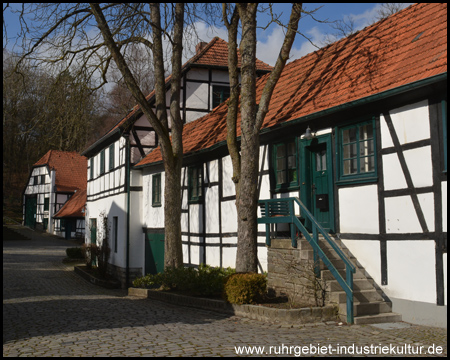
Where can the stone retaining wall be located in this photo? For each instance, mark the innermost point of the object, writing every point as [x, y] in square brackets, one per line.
[291, 273]
[256, 312]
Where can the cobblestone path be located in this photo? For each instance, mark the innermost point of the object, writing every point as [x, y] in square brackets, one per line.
[49, 311]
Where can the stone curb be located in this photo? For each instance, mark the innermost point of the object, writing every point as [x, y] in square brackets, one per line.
[255, 312]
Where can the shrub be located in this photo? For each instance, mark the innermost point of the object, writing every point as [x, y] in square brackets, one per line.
[204, 281]
[74, 253]
[245, 288]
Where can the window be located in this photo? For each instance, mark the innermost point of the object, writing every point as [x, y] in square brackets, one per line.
[220, 94]
[46, 204]
[111, 157]
[42, 179]
[195, 184]
[102, 162]
[91, 168]
[156, 190]
[357, 152]
[285, 164]
[444, 132]
[115, 227]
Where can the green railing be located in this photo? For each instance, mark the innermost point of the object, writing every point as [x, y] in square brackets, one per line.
[277, 211]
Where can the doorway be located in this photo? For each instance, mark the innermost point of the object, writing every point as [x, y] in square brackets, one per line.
[154, 253]
[30, 211]
[316, 188]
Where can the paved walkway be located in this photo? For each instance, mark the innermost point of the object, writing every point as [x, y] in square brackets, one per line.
[49, 311]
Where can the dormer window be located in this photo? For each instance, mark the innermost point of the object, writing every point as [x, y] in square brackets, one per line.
[220, 94]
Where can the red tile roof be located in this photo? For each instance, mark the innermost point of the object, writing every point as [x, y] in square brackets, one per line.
[214, 54]
[71, 169]
[74, 207]
[406, 47]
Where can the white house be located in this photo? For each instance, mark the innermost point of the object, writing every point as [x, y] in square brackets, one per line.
[114, 188]
[53, 180]
[374, 171]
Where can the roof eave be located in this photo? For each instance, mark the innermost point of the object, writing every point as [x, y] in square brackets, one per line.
[362, 101]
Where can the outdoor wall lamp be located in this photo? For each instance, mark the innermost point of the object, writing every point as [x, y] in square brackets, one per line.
[308, 135]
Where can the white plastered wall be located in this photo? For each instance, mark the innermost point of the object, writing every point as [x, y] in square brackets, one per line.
[410, 264]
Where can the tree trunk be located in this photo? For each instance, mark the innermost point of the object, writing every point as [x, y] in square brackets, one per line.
[245, 164]
[173, 256]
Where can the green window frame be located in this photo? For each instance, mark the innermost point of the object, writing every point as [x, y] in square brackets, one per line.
[115, 229]
[285, 164]
[195, 184]
[46, 204]
[102, 162]
[357, 152]
[91, 168]
[220, 94]
[156, 190]
[444, 130]
[111, 157]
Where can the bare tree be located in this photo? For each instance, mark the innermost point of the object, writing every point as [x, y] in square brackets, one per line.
[245, 159]
[41, 111]
[95, 35]
[119, 100]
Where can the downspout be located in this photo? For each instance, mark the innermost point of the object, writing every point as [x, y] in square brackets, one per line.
[127, 182]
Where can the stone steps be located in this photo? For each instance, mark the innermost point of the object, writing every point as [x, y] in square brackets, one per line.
[370, 304]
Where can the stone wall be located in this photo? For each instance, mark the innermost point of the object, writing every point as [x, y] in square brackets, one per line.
[291, 273]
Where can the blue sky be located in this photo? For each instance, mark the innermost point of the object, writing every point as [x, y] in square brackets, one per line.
[270, 40]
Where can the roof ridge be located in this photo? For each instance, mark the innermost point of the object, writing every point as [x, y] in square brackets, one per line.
[202, 51]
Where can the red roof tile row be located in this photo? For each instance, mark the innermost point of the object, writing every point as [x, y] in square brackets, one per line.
[74, 207]
[406, 47]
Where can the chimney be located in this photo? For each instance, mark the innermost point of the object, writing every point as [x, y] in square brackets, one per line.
[200, 46]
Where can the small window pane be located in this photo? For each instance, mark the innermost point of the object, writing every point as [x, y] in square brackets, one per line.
[292, 175]
[349, 151]
[365, 132]
[350, 166]
[349, 135]
[281, 177]
[281, 151]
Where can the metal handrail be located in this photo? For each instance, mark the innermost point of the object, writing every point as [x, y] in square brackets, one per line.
[289, 217]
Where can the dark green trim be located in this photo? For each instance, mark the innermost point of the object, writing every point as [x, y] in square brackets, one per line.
[156, 190]
[102, 162]
[111, 157]
[287, 185]
[195, 184]
[444, 130]
[358, 177]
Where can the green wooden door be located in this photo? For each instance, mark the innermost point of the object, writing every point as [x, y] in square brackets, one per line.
[154, 253]
[316, 179]
[30, 211]
[320, 185]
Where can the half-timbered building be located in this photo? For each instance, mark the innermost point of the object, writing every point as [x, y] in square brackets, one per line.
[357, 131]
[53, 180]
[114, 189]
